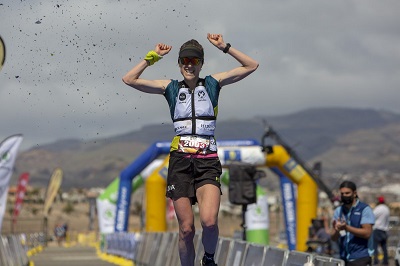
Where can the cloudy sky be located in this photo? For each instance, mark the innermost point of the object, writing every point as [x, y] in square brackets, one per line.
[65, 60]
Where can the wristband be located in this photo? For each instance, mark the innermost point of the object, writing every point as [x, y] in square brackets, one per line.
[152, 57]
[226, 49]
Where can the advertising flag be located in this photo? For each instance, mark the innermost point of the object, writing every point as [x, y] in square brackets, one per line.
[21, 189]
[106, 207]
[106, 204]
[52, 189]
[8, 154]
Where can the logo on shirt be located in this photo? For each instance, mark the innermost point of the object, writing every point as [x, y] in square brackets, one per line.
[201, 94]
[182, 96]
[180, 128]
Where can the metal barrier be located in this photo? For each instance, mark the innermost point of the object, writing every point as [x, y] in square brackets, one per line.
[199, 250]
[254, 255]
[222, 251]
[275, 256]
[173, 255]
[122, 244]
[236, 253]
[165, 248]
[151, 248]
[297, 258]
[35, 240]
[327, 261]
[13, 250]
[161, 249]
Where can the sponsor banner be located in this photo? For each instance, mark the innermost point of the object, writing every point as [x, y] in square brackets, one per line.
[257, 213]
[257, 219]
[8, 153]
[21, 189]
[106, 207]
[52, 189]
[106, 215]
[295, 170]
[289, 208]
[246, 154]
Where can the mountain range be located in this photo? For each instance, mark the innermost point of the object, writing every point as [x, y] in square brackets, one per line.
[345, 140]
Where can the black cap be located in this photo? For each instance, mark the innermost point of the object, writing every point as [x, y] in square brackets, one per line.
[191, 51]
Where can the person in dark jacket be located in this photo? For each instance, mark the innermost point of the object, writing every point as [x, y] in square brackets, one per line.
[352, 227]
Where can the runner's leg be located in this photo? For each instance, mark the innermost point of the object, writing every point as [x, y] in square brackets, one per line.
[209, 197]
[184, 213]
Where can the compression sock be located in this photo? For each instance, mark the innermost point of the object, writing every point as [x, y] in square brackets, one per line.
[208, 258]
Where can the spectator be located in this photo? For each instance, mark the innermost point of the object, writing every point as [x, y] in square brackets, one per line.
[320, 241]
[352, 226]
[381, 227]
[59, 232]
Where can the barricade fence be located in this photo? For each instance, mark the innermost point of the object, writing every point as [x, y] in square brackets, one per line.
[161, 249]
[14, 249]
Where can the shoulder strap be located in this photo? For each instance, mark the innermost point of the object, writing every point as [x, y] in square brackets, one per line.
[200, 82]
[182, 84]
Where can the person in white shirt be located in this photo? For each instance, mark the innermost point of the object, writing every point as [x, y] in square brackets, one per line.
[381, 227]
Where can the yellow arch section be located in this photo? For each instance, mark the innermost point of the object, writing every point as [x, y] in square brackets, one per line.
[156, 202]
[307, 191]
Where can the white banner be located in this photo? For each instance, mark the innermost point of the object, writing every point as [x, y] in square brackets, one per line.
[8, 154]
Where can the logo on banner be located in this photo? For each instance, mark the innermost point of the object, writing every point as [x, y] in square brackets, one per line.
[232, 155]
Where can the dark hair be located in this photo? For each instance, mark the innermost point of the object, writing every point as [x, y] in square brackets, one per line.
[348, 184]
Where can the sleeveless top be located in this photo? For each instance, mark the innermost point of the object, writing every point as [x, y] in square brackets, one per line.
[194, 114]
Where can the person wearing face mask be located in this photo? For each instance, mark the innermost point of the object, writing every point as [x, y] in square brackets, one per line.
[194, 167]
[352, 227]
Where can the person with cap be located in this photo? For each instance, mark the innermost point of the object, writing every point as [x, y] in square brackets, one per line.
[352, 227]
[381, 227]
[194, 167]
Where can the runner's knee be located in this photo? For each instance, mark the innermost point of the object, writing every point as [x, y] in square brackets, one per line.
[209, 224]
[187, 232]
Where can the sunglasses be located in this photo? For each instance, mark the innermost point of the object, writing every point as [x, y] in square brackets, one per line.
[193, 61]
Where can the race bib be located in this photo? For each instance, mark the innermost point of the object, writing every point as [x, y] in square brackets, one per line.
[194, 144]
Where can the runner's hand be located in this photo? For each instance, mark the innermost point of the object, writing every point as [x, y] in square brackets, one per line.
[216, 40]
[162, 49]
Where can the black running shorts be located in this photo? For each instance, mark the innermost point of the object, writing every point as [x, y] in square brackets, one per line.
[188, 172]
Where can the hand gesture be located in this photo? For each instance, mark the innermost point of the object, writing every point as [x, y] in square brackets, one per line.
[216, 40]
[339, 224]
[162, 49]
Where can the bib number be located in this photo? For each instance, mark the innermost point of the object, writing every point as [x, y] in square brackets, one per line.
[194, 144]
